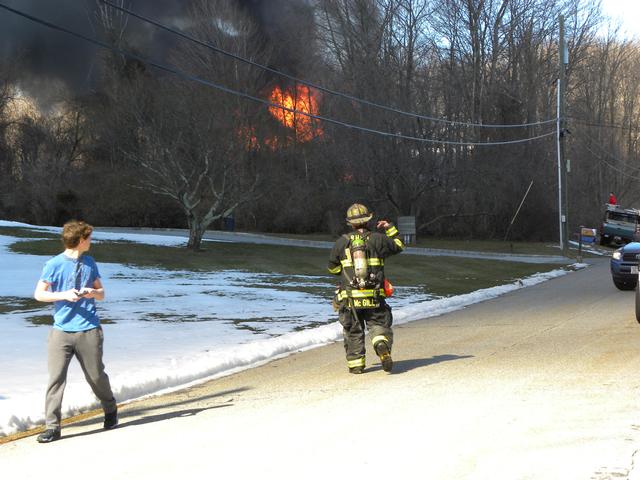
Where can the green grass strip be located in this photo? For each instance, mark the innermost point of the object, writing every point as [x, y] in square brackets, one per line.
[437, 275]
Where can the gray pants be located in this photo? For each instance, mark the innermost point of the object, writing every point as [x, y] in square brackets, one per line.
[87, 347]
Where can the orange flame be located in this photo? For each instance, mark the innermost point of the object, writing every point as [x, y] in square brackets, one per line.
[247, 136]
[303, 99]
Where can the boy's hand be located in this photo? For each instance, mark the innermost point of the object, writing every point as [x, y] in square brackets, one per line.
[70, 295]
[86, 292]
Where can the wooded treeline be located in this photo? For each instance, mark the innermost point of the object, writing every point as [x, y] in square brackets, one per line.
[149, 148]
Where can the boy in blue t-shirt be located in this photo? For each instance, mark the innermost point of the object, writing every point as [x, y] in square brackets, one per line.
[71, 280]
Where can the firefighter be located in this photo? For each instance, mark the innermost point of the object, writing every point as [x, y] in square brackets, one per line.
[358, 257]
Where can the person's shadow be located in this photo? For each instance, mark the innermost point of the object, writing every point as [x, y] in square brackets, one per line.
[402, 366]
[149, 419]
[125, 413]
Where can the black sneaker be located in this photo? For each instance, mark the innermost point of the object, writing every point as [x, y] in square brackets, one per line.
[111, 420]
[382, 350]
[48, 436]
[356, 370]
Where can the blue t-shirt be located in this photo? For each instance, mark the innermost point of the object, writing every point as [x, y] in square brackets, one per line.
[64, 273]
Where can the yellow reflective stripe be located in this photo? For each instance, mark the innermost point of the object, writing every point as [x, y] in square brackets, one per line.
[347, 254]
[342, 294]
[379, 338]
[392, 231]
[358, 362]
[399, 243]
[361, 293]
[372, 262]
[365, 293]
[335, 270]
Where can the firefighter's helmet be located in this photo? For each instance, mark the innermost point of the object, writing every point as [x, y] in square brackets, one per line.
[358, 214]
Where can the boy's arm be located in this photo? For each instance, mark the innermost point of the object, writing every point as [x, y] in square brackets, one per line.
[43, 294]
[97, 292]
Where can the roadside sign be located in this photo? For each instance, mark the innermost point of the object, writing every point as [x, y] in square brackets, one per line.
[407, 228]
[588, 235]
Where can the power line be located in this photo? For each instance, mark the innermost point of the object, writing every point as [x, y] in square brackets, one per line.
[188, 76]
[604, 125]
[310, 84]
[602, 160]
[613, 167]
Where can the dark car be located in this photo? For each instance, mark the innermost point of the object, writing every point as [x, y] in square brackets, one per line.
[624, 266]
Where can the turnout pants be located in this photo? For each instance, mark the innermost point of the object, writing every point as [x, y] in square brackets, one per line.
[87, 347]
[378, 322]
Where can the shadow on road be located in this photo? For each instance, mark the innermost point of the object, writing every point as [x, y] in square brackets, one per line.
[402, 366]
[149, 419]
[183, 401]
[137, 410]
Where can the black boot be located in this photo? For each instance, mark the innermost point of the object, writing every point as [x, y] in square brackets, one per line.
[382, 350]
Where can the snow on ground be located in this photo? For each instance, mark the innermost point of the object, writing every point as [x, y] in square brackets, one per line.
[167, 329]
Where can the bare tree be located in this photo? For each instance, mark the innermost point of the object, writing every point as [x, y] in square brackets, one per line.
[465, 61]
[190, 140]
[605, 118]
[47, 151]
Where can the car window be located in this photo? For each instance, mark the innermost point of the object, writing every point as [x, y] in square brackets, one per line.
[622, 217]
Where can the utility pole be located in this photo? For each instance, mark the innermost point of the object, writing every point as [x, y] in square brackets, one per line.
[561, 126]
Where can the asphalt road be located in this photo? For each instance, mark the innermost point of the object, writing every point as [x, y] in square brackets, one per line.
[541, 383]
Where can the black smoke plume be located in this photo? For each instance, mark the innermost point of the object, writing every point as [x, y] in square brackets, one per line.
[50, 62]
